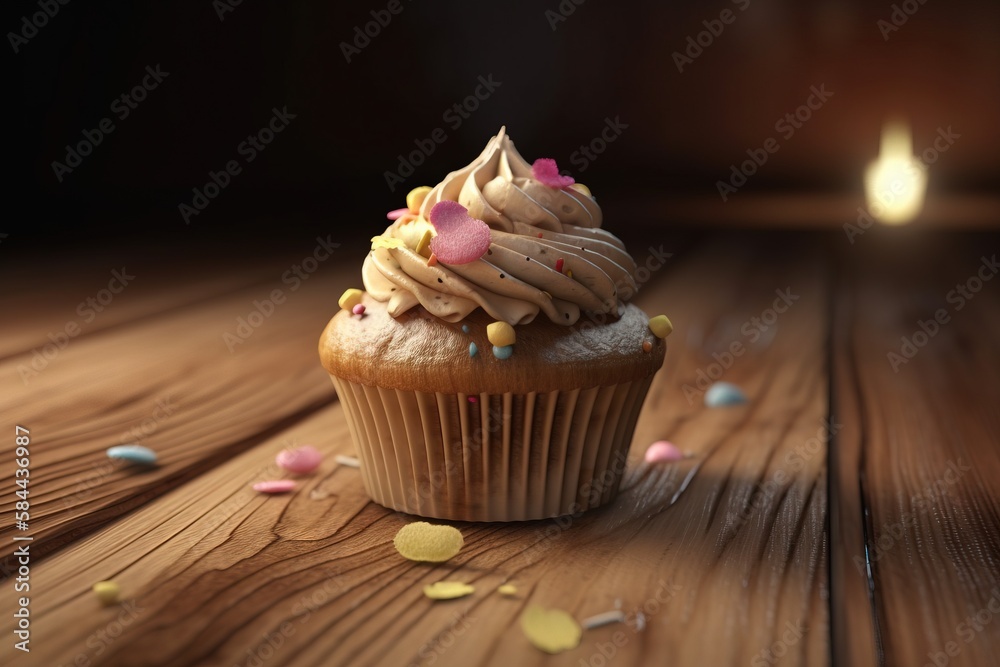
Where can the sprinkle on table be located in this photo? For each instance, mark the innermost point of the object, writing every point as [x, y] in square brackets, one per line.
[559, 264]
[299, 460]
[107, 592]
[507, 590]
[273, 486]
[663, 451]
[448, 590]
[551, 630]
[422, 541]
[605, 618]
[722, 394]
[133, 454]
[348, 461]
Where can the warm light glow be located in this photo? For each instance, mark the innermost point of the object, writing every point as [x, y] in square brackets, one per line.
[896, 181]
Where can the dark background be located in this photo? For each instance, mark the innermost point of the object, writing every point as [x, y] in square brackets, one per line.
[605, 60]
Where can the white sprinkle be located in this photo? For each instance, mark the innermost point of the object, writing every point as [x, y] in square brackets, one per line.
[606, 618]
[349, 461]
[640, 622]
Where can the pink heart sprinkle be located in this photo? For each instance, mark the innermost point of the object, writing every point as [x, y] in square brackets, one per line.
[545, 170]
[303, 459]
[275, 486]
[662, 451]
[460, 237]
[397, 214]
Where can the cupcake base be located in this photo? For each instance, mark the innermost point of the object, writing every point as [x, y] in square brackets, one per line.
[492, 457]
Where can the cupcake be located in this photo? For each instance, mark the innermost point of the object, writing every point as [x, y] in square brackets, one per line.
[492, 368]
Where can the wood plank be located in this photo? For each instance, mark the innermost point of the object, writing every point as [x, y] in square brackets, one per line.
[172, 382]
[719, 564]
[920, 454]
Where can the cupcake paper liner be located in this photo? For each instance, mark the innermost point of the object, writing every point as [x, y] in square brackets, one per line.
[506, 457]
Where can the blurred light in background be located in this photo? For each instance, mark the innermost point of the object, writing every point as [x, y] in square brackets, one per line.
[895, 182]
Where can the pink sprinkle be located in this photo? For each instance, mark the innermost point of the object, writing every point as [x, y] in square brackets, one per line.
[301, 460]
[559, 265]
[397, 214]
[545, 170]
[275, 486]
[662, 451]
[460, 238]
[359, 309]
[473, 399]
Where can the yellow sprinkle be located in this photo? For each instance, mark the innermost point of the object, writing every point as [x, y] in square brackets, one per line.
[448, 590]
[569, 273]
[350, 298]
[424, 244]
[661, 326]
[551, 630]
[507, 590]
[580, 187]
[422, 541]
[107, 592]
[501, 334]
[416, 198]
[386, 242]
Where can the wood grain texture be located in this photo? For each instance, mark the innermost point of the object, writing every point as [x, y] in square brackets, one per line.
[921, 452]
[173, 382]
[724, 553]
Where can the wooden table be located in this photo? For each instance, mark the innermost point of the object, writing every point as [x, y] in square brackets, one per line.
[849, 514]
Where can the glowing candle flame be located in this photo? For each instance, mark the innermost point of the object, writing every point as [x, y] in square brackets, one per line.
[896, 181]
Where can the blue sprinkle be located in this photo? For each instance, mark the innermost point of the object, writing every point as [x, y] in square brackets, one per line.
[473, 349]
[503, 352]
[465, 328]
[722, 394]
[133, 454]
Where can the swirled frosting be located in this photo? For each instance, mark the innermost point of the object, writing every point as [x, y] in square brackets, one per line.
[534, 229]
